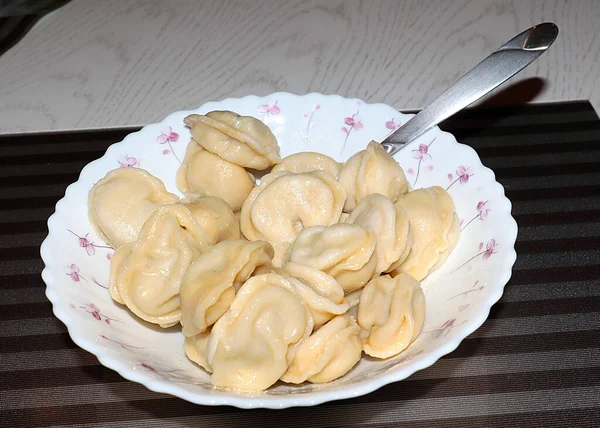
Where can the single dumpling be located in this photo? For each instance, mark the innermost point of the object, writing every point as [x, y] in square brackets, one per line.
[242, 140]
[214, 216]
[391, 227]
[206, 174]
[329, 353]
[210, 283]
[434, 227]
[369, 171]
[252, 345]
[323, 294]
[284, 203]
[120, 203]
[344, 251]
[391, 313]
[308, 161]
[146, 275]
[195, 349]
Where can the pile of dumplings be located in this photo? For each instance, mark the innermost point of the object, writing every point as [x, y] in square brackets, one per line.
[290, 279]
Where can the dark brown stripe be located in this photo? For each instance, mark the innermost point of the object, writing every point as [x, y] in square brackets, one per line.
[55, 377]
[545, 307]
[23, 227]
[20, 253]
[398, 392]
[547, 110]
[554, 274]
[90, 137]
[87, 156]
[538, 149]
[42, 342]
[33, 180]
[24, 203]
[531, 131]
[530, 343]
[572, 418]
[558, 245]
[565, 217]
[21, 281]
[545, 170]
[553, 193]
[477, 385]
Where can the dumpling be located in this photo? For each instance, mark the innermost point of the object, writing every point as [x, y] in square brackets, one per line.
[146, 275]
[329, 353]
[323, 294]
[369, 171]
[308, 161]
[391, 227]
[214, 216]
[344, 251]
[353, 299]
[210, 283]
[391, 313]
[252, 345]
[242, 140]
[120, 203]
[206, 174]
[434, 227]
[284, 203]
[195, 349]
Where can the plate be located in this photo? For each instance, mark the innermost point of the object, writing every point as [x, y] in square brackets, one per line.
[459, 295]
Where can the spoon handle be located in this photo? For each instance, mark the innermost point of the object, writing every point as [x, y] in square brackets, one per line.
[490, 73]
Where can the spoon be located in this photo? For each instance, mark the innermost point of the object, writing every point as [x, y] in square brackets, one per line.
[490, 73]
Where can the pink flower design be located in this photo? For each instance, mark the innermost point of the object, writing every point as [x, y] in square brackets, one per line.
[490, 248]
[422, 154]
[487, 252]
[73, 272]
[121, 344]
[157, 371]
[167, 136]
[445, 328]
[391, 124]
[128, 162]
[474, 288]
[463, 174]
[483, 209]
[353, 122]
[482, 213]
[309, 117]
[95, 281]
[84, 242]
[422, 151]
[93, 310]
[268, 110]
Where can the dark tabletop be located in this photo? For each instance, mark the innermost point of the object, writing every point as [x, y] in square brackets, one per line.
[535, 362]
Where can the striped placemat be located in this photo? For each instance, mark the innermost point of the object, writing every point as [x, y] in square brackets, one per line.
[535, 362]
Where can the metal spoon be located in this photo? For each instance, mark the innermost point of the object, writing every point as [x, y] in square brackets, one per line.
[490, 73]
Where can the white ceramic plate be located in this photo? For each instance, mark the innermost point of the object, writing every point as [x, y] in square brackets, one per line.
[459, 295]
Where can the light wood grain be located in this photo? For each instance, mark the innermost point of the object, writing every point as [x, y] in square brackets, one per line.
[130, 62]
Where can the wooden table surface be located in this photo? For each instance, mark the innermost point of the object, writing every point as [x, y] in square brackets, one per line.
[117, 63]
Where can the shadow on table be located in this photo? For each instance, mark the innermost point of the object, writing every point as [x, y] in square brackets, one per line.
[506, 101]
